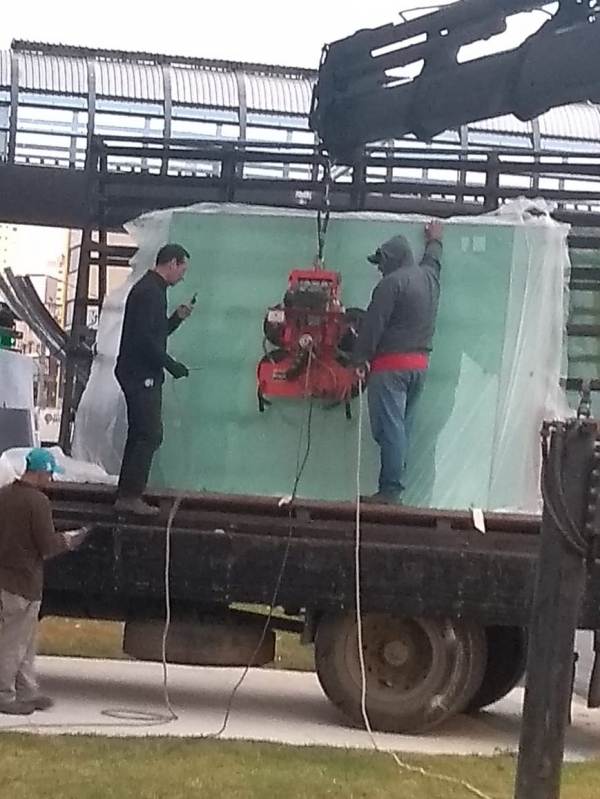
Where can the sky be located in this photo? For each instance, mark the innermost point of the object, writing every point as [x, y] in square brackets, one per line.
[286, 32]
[36, 250]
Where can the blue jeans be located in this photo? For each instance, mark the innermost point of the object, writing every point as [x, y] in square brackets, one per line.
[392, 396]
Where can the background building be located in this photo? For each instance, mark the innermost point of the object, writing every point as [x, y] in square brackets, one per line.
[8, 238]
[115, 276]
[47, 371]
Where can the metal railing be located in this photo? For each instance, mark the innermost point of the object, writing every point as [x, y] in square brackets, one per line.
[380, 179]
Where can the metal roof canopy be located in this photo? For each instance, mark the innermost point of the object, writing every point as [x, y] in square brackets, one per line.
[114, 74]
[130, 77]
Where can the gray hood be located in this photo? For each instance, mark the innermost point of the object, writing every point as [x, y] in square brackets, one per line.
[394, 254]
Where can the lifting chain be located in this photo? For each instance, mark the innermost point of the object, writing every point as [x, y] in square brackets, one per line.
[323, 212]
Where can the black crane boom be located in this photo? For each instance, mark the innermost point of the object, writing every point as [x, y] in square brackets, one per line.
[360, 98]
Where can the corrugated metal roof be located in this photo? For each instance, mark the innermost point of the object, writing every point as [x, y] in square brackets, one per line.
[4, 69]
[204, 87]
[124, 80]
[581, 121]
[71, 51]
[504, 124]
[53, 74]
[278, 94]
[202, 83]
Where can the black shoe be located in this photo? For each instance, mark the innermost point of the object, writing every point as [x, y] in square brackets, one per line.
[39, 702]
[381, 499]
[16, 708]
[136, 505]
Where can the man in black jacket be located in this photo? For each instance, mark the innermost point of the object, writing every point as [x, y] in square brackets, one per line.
[140, 369]
[395, 341]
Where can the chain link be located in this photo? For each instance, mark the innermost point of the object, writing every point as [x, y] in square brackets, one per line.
[324, 210]
[585, 401]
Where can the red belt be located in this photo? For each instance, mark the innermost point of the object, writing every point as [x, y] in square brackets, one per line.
[399, 360]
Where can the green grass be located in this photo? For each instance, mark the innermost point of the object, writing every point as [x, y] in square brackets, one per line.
[291, 654]
[95, 768]
[80, 638]
[102, 639]
[78, 767]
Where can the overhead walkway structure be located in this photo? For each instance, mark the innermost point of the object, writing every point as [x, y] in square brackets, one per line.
[91, 138]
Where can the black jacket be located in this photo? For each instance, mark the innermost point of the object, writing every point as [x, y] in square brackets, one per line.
[401, 315]
[146, 327]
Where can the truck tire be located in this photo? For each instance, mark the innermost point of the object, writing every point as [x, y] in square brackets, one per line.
[420, 672]
[505, 667]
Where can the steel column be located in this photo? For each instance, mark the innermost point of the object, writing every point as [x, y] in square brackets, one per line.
[14, 107]
[167, 74]
[91, 124]
[242, 119]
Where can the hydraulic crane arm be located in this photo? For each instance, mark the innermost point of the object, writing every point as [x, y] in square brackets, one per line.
[358, 99]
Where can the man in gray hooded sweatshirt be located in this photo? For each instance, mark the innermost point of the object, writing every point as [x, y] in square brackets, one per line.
[394, 341]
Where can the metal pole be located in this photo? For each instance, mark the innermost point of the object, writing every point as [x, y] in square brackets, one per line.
[567, 475]
[95, 166]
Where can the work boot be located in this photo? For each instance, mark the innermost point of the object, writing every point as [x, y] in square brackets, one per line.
[39, 702]
[381, 499]
[16, 708]
[135, 505]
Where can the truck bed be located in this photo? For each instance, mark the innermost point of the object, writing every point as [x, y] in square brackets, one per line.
[228, 548]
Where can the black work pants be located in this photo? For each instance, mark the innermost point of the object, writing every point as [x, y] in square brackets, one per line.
[144, 435]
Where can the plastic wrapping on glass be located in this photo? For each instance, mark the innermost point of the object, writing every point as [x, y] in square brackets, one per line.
[12, 466]
[16, 400]
[493, 377]
[16, 380]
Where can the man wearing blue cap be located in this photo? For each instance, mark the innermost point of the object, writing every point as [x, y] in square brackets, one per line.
[27, 539]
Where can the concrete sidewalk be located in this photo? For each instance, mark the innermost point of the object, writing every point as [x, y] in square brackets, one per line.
[277, 706]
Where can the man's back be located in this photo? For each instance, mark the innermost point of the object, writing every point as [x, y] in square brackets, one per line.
[416, 289]
[27, 537]
[143, 347]
[401, 314]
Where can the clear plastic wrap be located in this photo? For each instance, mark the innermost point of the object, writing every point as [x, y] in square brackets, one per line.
[101, 423]
[16, 399]
[16, 380]
[494, 373]
[12, 466]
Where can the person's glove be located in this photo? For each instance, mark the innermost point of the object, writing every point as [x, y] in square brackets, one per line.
[178, 370]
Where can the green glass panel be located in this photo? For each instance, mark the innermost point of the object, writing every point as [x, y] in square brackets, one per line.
[215, 438]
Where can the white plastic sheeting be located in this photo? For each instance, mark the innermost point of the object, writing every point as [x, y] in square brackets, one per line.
[16, 399]
[12, 466]
[16, 380]
[101, 423]
[535, 358]
[524, 390]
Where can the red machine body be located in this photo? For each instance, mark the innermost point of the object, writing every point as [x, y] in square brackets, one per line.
[312, 336]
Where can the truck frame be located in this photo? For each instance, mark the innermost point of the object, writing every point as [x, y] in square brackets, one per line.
[445, 607]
